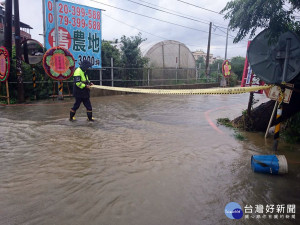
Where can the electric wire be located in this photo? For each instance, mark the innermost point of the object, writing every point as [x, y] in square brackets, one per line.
[185, 17]
[176, 11]
[160, 37]
[149, 17]
[156, 18]
[200, 7]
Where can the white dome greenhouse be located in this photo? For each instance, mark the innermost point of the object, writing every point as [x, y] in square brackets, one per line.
[170, 54]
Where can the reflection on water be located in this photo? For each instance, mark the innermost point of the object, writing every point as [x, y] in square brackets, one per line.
[146, 160]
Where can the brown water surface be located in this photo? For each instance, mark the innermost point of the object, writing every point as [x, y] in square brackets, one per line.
[147, 160]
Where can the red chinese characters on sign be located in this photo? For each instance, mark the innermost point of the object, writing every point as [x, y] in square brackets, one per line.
[4, 64]
[60, 65]
[64, 38]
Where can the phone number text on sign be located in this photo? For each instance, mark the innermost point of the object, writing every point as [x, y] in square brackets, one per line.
[79, 30]
[79, 16]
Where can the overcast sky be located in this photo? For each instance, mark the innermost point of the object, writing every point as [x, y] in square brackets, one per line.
[118, 22]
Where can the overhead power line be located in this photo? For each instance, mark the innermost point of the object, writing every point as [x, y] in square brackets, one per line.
[160, 37]
[170, 10]
[185, 17]
[200, 7]
[122, 22]
[154, 18]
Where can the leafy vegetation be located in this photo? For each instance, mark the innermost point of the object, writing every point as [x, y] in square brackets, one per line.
[247, 16]
[237, 66]
[292, 131]
[227, 123]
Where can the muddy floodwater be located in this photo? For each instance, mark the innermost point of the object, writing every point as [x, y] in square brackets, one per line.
[146, 160]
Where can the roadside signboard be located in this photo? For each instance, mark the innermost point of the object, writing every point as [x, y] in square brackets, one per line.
[274, 93]
[79, 30]
[249, 78]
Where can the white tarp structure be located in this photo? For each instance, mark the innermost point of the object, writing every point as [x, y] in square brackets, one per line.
[170, 54]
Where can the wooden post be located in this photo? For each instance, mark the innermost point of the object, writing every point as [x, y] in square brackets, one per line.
[7, 92]
[250, 104]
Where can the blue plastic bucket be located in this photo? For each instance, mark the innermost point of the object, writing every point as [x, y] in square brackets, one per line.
[274, 164]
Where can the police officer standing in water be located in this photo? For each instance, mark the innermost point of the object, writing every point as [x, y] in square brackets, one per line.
[81, 90]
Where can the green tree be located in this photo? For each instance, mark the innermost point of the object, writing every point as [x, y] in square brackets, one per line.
[42, 90]
[109, 51]
[131, 53]
[246, 16]
[132, 58]
[200, 61]
[237, 66]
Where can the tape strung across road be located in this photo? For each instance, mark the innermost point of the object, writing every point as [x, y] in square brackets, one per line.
[209, 91]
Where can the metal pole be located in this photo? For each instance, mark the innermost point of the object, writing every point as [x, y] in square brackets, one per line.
[18, 52]
[268, 128]
[55, 22]
[8, 27]
[287, 57]
[112, 71]
[281, 97]
[148, 77]
[44, 23]
[218, 77]
[59, 83]
[8, 36]
[208, 49]
[100, 78]
[277, 127]
[226, 43]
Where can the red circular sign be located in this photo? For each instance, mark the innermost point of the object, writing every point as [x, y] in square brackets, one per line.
[64, 38]
[4, 64]
[59, 63]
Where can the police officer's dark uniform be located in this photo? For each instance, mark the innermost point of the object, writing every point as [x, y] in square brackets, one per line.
[81, 90]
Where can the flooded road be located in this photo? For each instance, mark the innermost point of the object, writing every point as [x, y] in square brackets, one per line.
[147, 160]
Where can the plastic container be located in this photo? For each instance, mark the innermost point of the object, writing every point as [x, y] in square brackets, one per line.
[274, 164]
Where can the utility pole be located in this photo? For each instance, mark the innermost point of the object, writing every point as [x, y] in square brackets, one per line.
[226, 43]
[8, 26]
[8, 37]
[18, 52]
[60, 83]
[208, 50]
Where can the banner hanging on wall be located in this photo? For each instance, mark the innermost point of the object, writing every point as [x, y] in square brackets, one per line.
[79, 30]
[4, 64]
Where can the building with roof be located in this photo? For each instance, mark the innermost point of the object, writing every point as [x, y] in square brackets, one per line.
[24, 28]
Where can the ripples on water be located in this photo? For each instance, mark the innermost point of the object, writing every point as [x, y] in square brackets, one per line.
[146, 160]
